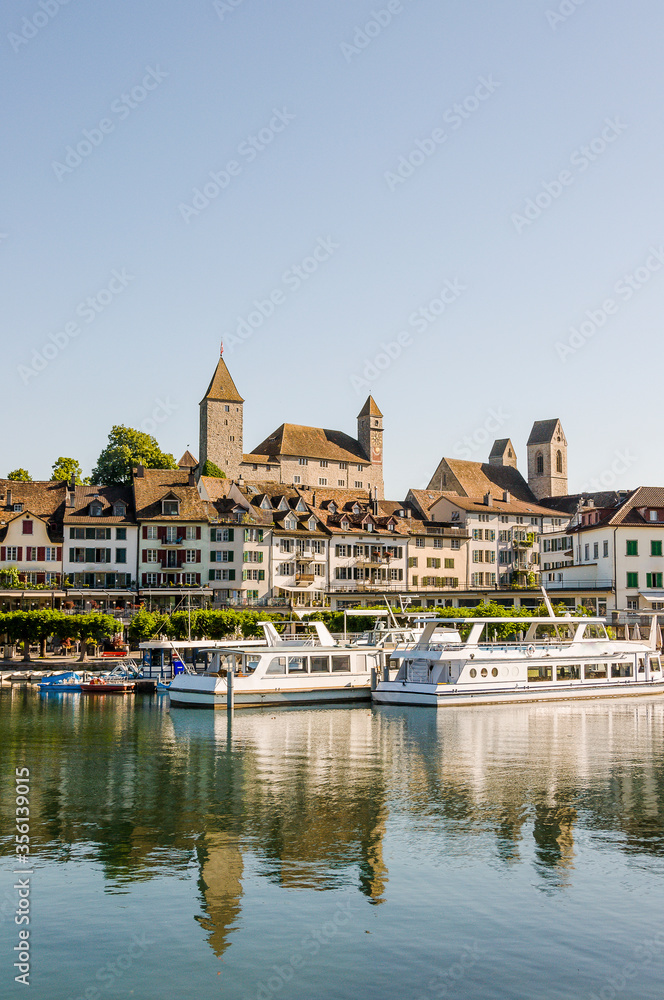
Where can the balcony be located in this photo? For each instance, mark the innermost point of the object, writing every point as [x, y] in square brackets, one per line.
[304, 579]
[169, 542]
[304, 556]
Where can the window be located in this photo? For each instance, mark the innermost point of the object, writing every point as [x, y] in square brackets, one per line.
[253, 535]
[655, 548]
[50, 553]
[449, 564]
[621, 669]
[222, 574]
[322, 481]
[477, 534]
[27, 527]
[595, 550]
[594, 671]
[95, 510]
[412, 562]
[121, 555]
[420, 542]
[653, 515]
[151, 555]
[171, 533]
[151, 579]
[252, 557]
[343, 466]
[170, 508]
[358, 485]
[568, 672]
[227, 408]
[632, 548]
[544, 672]
[17, 507]
[190, 578]
[559, 461]
[317, 546]
[77, 532]
[320, 665]
[587, 553]
[190, 556]
[415, 584]
[605, 550]
[455, 543]
[438, 543]
[632, 580]
[341, 663]
[119, 509]
[152, 531]
[324, 463]
[433, 563]
[121, 534]
[654, 581]
[539, 464]
[297, 479]
[303, 461]
[341, 482]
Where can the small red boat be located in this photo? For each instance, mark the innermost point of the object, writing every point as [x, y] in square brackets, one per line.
[100, 685]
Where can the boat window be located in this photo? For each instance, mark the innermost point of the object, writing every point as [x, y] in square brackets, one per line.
[277, 665]
[642, 664]
[543, 672]
[251, 661]
[320, 664]
[568, 672]
[621, 669]
[297, 664]
[484, 671]
[595, 671]
[230, 661]
[594, 632]
[473, 672]
[494, 671]
[655, 663]
[341, 663]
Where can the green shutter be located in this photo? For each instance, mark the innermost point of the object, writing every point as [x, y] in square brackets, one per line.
[655, 548]
[231, 534]
[245, 557]
[211, 575]
[231, 556]
[649, 582]
[231, 574]
[261, 574]
[260, 534]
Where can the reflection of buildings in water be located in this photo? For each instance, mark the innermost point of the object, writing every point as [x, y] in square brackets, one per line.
[221, 866]
[503, 768]
[304, 792]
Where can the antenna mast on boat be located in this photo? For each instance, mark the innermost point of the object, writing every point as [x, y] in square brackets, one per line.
[549, 606]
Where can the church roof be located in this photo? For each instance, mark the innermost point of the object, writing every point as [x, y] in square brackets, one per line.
[370, 409]
[543, 431]
[478, 478]
[222, 387]
[310, 442]
[500, 446]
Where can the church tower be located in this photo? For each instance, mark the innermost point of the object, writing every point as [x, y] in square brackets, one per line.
[547, 459]
[221, 418]
[370, 437]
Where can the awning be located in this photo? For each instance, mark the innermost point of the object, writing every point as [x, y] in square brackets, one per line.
[653, 595]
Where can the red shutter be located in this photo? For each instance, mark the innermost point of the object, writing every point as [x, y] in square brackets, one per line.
[41, 554]
[163, 557]
[41, 577]
[144, 579]
[198, 579]
[3, 553]
[198, 533]
[58, 554]
[161, 532]
[144, 555]
[28, 555]
[145, 531]
[181, 557]
[198, 555]
[19, 555]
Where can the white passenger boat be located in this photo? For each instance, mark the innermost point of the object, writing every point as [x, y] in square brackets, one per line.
[558, 658]
[285, 671]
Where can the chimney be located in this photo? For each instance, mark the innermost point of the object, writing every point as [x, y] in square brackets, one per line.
[9, 498]
[139, 471]
[487, 499]
[72, 481]
[313, 499]
[506, 496]
[192, 479]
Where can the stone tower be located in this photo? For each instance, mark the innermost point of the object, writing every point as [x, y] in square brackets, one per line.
[370, 437]
[547, 459]
[503, 453]
[221, 423]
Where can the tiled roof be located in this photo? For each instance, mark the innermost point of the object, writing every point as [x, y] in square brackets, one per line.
[370, 409]
[187, 461]
[53, 528]
[477, 478]
[214, 488]
[46, 499]
[310, 442]
[500, 446]
[157, 484]
[570, 504]
[643, 498]
[222, 387]
[259, 460]
[543, 431]
[83, 496]
[498, 506]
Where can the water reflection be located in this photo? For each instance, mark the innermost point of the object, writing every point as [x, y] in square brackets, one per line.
[307, 799]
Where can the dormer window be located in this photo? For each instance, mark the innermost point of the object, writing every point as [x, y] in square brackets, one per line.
[282, 504]
[265, 504]
[17, 507]
[290, 524]
[356, 508]
[313, 524]
[345, 524]
[170, 508]
[95, 509]
[390, 526]
[119, 509]
[368, 526]
[333, 508]
[301, 506]
[653, 515]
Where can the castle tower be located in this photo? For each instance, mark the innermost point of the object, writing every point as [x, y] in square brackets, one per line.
[221, 417]
[547, 459]
[503, 453]
[370, 437]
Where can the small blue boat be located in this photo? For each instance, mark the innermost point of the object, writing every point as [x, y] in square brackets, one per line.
[58, 683]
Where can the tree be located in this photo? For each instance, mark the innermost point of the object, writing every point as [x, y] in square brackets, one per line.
[64, 468]
[33, 626]
[91, 628]
[20, 476]
[9, 578]
[126, 449]
[210, 469]
[145, 625]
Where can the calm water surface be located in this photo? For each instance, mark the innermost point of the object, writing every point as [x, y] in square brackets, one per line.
[507, 852]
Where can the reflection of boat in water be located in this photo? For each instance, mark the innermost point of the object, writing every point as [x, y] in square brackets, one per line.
[559, 658]
[281, 671]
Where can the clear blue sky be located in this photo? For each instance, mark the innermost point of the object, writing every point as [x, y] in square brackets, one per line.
[199, 81]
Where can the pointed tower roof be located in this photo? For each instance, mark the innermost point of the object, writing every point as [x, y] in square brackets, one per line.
[222, 387]
[544, 430]
[187, 461]
[370, 409]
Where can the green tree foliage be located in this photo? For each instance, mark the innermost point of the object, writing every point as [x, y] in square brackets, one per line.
[65, 468]
[126, 449]
[20, 476]
[210, 469]
[145, 625]
[92, 628]
[9, 578]
[29, 627]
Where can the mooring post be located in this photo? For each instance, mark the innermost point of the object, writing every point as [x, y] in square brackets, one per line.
[230, 693]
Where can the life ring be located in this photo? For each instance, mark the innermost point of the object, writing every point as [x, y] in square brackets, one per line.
[530, 650]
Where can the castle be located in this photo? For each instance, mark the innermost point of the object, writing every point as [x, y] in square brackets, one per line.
[317, 457]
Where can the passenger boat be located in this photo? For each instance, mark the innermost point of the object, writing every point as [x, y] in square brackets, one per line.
[281, 671]
[559, 658]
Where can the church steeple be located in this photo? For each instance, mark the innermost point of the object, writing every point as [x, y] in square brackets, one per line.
[370, 436]
[221, 422]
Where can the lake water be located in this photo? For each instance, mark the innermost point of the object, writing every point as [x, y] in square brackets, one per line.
[486, 852]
